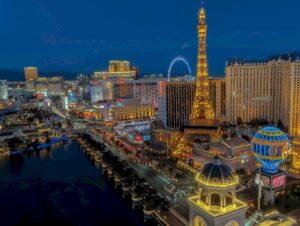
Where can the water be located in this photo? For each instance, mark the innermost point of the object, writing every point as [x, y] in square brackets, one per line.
[60, 186]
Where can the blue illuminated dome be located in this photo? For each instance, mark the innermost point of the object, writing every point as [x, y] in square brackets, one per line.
[271, 146]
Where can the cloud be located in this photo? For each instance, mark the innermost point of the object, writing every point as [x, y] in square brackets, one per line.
[185, 46]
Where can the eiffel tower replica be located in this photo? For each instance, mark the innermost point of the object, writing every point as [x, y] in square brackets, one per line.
[202, 119]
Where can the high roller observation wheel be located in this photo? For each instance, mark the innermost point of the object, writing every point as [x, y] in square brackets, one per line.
[179, 59]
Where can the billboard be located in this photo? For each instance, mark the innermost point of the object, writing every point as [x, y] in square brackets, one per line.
[266, 181]
[278, 181]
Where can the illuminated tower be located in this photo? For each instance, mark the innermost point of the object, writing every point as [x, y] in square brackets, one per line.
[202, 111]
[203, 125]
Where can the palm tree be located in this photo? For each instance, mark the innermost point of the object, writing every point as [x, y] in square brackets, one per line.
[296, 191]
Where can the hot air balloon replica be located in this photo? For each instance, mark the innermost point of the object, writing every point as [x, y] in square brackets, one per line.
[271, 146]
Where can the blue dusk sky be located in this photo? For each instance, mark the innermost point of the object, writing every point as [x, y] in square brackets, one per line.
[83, 35]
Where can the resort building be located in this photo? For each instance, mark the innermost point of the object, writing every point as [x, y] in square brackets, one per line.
[31, 73]
[265, 89]
[3, 90]
[117, 69]
[53, 86]
[132, 110]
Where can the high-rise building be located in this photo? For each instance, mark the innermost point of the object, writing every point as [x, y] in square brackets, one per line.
[123, 89]
[117, 70]
[175, 102]
[265, 89]
[56, 86]
[202, 121]
[41, 85]
[131, 111]
[101, 91]
[119, 66]
[3, 90]
[145, 91]
[31, 73]
[217, 93]
[53, 86]
[176, 99]
[83, 79]
[290, 97]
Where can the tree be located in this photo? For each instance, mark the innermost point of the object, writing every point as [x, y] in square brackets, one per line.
[14, 142]
[239, 121]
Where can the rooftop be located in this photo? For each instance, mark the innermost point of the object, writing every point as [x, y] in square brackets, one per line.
[293, 56]
[216, 213]
[236, 142]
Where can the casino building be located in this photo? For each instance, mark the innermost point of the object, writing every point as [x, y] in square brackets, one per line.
[265, 89]
[294, 169]
[216, 203]
[117, 69]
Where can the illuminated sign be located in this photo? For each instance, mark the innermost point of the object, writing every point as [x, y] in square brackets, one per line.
[266, 181]
[66, 103]
[45, 93]
[138, 138]
[278, 182]
[162, 88]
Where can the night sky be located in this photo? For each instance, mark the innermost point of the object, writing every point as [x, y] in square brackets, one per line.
[82, 35]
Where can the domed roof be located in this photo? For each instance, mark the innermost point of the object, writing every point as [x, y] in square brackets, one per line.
[216, 174]
[271, 135]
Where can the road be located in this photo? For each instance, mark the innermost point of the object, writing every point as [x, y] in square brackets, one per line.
[154, 180]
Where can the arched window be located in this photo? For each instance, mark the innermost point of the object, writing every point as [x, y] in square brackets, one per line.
[229, 198]
[203, 197]
[215, 199]
[198, 221]
[232, 223]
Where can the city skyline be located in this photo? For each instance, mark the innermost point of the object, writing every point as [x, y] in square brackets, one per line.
[84, 41]
[113, 145]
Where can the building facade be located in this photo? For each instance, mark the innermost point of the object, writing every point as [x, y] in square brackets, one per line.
[145, 91]
[117, 69]
[53, 86]
[41, 85]
[101, 91]
[56, 86]
[217, 92]
[176, 99]
[175, 102]
[133, 111]
[123, 89]
[3, 90]
[31, 73]
[290, 97]
[267, 89]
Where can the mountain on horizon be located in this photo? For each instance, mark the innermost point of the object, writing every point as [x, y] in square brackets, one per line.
[15, 75]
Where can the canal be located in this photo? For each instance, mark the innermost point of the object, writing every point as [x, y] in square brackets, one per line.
[60, 186]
